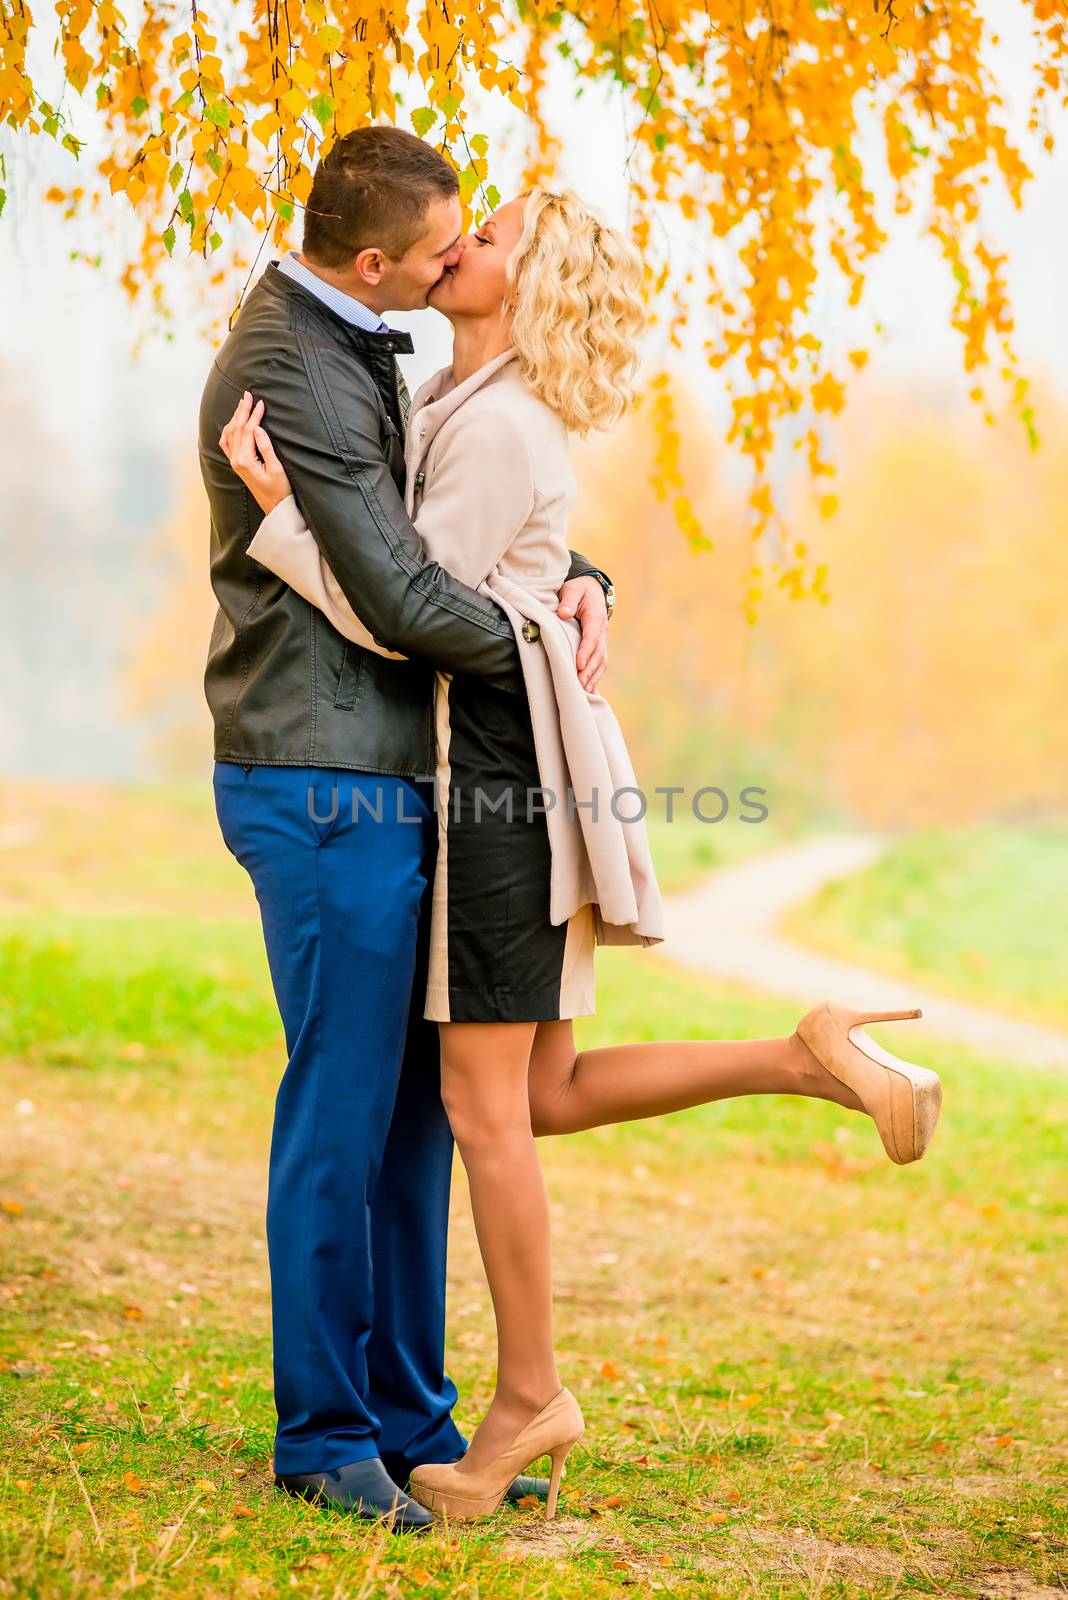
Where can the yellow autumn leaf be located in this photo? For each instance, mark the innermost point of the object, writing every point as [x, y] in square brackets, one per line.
[828, 394]
[304, 73]
[295, 102]
[266, 127]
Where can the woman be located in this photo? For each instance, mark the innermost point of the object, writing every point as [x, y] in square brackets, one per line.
[545, 310]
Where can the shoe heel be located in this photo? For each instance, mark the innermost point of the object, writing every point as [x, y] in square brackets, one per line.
[853, 1017]
[559, 1456]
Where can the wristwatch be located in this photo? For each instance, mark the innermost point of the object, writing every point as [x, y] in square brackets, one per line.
[609, 591]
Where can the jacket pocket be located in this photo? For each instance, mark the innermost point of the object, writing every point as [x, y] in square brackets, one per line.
[349, 681]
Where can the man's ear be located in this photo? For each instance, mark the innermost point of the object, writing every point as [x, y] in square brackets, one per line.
[370, 264]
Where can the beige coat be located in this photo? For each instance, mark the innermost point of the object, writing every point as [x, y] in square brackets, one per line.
[489, 488]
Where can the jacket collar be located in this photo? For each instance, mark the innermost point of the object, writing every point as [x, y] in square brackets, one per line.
[437, 399]
[396, 341]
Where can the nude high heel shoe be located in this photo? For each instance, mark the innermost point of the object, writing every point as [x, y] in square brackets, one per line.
[466, 1496]
[902, 1099]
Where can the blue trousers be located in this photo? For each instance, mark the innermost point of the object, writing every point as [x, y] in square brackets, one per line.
[361, 1150]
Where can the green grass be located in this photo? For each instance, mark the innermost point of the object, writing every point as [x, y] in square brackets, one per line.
[804, 1371]
[80, 989]
[979, 912]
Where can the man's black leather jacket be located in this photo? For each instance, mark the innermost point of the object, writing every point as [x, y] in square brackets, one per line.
[284, 687]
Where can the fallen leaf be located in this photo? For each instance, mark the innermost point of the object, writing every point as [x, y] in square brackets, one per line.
[132, 1482]
[244, 1511]
[133, 1313]
[609, 1371]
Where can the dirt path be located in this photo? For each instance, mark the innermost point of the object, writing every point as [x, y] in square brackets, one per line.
[726, 926]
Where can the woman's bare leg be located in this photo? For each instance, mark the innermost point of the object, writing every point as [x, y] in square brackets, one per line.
[572, 1090]
[484, 1085]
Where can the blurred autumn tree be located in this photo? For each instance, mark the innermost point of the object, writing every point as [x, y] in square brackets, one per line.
[937, 681]
[931, 694]
[164, 669]
[743, 126]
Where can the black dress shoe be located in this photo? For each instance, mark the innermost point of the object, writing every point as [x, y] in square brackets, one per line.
[520, 1487]
[363, 1489]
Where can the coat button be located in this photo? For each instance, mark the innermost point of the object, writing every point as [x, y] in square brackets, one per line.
[531, 631]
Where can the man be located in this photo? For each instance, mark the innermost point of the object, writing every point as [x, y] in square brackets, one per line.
[323, 779]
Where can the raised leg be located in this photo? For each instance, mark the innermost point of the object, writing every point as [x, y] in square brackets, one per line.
[571, 1090]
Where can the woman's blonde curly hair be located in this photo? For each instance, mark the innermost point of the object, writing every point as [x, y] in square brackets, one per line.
[574, 284]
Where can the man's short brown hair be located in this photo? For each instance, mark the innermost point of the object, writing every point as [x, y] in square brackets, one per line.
[373, 187]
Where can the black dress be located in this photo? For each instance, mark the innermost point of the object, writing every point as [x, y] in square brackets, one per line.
[494, 955]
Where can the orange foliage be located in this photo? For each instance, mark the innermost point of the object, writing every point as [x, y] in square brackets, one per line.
[742, 120]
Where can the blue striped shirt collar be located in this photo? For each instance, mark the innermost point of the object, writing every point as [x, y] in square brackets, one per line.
[345, 305]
